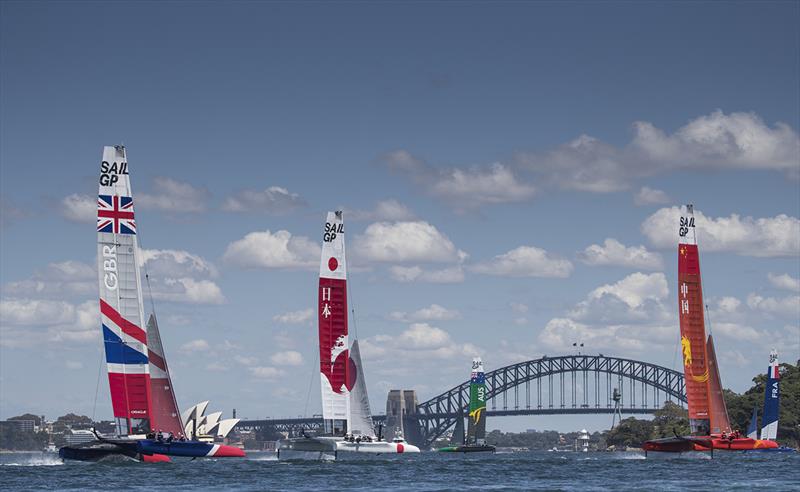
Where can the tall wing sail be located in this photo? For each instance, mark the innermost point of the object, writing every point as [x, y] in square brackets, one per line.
[693, 332]
[121, 309]
[333, 342]
[719, 411]
[458, 432]
[752, 428]
[360, 422]
[165, 414]
[476, 428]
[772, 398]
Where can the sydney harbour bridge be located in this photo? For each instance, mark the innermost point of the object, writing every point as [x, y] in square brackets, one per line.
[565, 385]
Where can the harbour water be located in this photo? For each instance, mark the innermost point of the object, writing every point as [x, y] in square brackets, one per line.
[423, 472]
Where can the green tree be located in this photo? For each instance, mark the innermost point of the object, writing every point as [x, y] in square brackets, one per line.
[630, 432]
[671, 419]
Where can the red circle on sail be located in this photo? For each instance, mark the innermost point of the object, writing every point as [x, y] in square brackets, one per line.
[333, 264]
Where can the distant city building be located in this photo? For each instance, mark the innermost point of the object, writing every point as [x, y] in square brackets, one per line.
[78, 437]
[22, 425]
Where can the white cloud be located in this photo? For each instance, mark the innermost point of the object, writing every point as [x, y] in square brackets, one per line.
[268, 250]
[198, 345]
[287, 358]
[27, 312]
[189, 290]
[714, 141]
[73, 364]
[728, 304]
[173, 196]
[273, 200]
[479, 186]
[650, 196]
[79, 208]
[245, 360]
[464, 188]
[385, 211]
[265, 372]
[295, 317]
[560, 333]
[612, 252]
[451, 275]
[434, 312]
[637, 297]
[784, 281]
[519, 308]
[627, 316]
[27, 322]
[424, 336]
[786, 306]
[396, 242]
[525, 261]
[66, 278]
[737, 331]
[178, 276]
[777, 236]
[420, 341]
[173, 262]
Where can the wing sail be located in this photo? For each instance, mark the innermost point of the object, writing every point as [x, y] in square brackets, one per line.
[121, 311]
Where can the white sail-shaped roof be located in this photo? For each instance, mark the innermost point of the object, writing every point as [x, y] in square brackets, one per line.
[194, 411]
[211, 421]
[225, 426]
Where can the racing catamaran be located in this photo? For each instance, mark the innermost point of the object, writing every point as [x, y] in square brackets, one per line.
[142, 394]
[347, 420]
[708, 416]
[476, 427]
[772, 398]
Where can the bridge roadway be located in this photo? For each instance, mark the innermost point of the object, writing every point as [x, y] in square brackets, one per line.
[316, 422]
[561, 386]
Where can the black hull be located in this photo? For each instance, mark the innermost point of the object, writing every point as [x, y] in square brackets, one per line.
[99, 450]
[483, 448]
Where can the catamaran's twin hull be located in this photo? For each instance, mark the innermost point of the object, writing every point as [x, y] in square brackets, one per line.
[712, 443]
[147, 450]
[316, 448]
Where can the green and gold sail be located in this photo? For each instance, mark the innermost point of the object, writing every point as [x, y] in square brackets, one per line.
[476, 428]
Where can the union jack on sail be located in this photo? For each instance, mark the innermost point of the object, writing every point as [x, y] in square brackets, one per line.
[115, 214]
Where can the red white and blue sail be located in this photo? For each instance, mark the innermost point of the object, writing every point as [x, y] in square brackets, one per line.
[334, 354]
[121, 308]
[772, 399]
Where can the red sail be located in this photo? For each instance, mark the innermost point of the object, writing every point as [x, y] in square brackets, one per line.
[164, 411]
[719, 411]
[334, 356]
[333, 352]
[693, 337]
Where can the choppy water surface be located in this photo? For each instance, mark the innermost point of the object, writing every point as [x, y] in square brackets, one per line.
[427, 472]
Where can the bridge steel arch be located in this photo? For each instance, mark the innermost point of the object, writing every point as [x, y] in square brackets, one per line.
[440, 413]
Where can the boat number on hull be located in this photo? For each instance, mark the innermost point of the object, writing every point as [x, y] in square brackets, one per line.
[331, 230]
[685, 225]
[110, 267]
[109, 173]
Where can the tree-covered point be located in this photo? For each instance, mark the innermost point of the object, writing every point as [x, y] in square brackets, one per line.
[673, 419]
[740, 407]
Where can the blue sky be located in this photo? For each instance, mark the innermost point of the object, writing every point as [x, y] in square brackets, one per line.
[509, 173]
